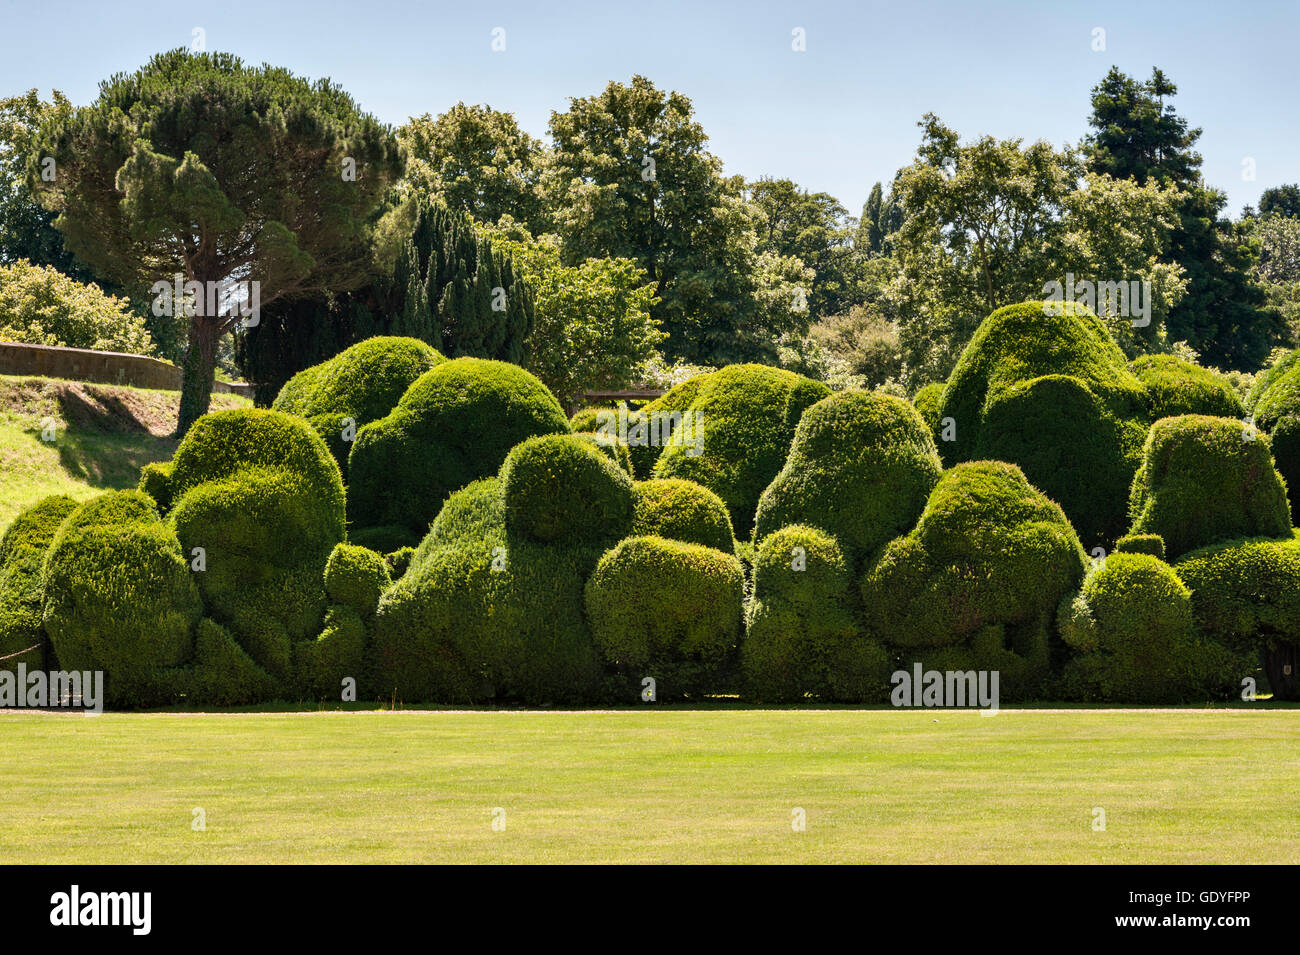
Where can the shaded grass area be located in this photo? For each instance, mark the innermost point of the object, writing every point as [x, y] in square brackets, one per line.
[64, 437]
[654, 786]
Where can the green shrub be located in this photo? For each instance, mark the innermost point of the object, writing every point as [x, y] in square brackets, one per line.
[802, 638]
[1152, 544]
[666, 610]
[1052, 394]
[743, 420]
[1246, 595]
[22, 554]
[222, 443]
[120, 597]
[561, 488]
[1133, 630]
[337, 654]
[362, 383]
[666, 411]
[861, 467]
[975, 585]
[454, 425]
[40, 305]
[266, 538]
[356, 577]
[613, 449]
[481, 615]
[1177, 387]
[155, 480]
[1275, 403]
[221, 673]
[927, 401]
[1204, 480]
[681, 511]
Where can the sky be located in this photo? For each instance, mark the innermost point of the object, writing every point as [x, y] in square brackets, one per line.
[835, 117]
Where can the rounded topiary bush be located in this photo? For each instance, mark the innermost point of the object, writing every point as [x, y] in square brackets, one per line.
[1275, 404]
[561, 487]
[734, 434]
[1204, 480]
[1177, 387]
[357, 577]
[222, 443]
[927, 401]
[1246, 595]
[613, 449]
[22, 556]
[481, 616]
[666, 610]
[861, 467]
[682, 511]
[120, 597]
[1136, 641]
[976, 584]
[358, 385]
[802, 638]
[1152, 544]
[155, 480]
[454, 425]
[1047, 389]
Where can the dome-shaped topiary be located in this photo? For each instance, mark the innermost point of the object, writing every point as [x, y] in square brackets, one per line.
[1177, 387]
[1275, 404]
[480, 615]
[1246, 595]
[22, 555]
[454, 425]
[682, 511]
[735, 433]
[357, 577]
[666, 610]
[975, 585]
[802, 638]
[561, 487]
[1204, 480]
[120, 597]
[359, 385]
[861, 467]
[927, 401]
[1132, 628]
[1042, 385]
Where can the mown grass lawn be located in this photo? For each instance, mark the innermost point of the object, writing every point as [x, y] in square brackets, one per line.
[1201, 786]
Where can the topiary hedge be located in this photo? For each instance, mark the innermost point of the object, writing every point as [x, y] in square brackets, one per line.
[1177, 387]
[1052, 394]
[738, 433]
[1246, 595]
[681, 511]
[1136, 641]
[1275, 404]
[977, 583]
[861, 467]
[591, 506]
[927, 401]
[356, 577]
[666, 610]
[1207, 479]
[454, 425]
[361, 383]
[802, 636]
[262, 497]
[120, 597]
[22, 555]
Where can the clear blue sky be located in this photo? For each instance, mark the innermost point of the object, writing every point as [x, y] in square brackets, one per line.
[835, 118]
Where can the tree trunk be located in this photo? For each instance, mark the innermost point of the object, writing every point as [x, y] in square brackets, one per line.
[1282, 667]
[198, 371]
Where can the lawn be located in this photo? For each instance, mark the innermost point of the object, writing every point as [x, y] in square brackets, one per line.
[665, 786]
[101, 436]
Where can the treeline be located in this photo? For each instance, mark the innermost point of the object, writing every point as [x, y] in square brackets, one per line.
[618, 249]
